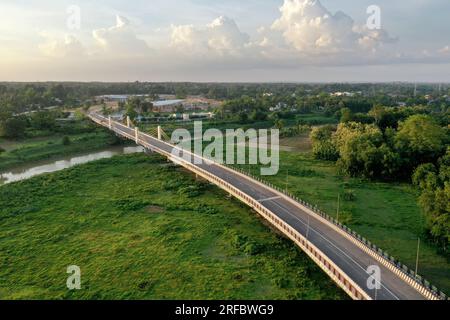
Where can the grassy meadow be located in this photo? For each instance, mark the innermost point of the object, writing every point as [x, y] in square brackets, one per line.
[140, 228]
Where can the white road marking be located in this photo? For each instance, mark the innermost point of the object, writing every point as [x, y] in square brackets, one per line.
[269, 199]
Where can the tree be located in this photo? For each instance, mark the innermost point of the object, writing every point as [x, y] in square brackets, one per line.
[323, 145]
[425, 176]
[258, 115]
[66, 141]
[363, 151]
[434, 200]
[279, 124]
[13, 127]
[44, 120]
[146, 106]
[384, 118]
[346, 115]
[420, 140]
[130, 112]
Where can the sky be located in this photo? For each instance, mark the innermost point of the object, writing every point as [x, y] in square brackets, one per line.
[225, 40]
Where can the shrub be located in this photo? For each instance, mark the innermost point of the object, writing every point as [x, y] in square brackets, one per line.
[190, 191]
[66, 141]
[349, 195]
[202, 208]
[252, 248]
[345, 217]
[238, 241]
[131, 204]
[281, 282]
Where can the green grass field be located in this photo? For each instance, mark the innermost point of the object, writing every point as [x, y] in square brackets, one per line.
[140, 229]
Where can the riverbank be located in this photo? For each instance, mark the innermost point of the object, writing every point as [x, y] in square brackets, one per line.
[140, 228]
[19, 152]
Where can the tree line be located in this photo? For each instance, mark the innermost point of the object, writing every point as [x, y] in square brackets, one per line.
[397, 144]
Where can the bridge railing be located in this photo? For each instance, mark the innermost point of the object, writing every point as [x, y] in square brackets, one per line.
[404, 272]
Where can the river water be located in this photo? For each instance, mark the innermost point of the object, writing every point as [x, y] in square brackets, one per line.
[33, 169]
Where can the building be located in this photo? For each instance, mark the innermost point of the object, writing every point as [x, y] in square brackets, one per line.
[119, 97]
[167, 105]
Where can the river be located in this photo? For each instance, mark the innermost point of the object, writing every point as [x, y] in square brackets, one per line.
[47, 166]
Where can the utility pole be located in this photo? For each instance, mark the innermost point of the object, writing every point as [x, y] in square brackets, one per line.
[338, 205]
[287, 180]
[417, 257]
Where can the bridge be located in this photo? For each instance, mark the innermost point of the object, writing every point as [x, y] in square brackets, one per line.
[347, 258]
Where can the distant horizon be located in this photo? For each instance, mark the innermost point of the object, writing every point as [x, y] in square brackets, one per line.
[231, 82]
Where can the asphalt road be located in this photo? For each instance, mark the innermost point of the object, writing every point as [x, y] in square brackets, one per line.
[345, 254]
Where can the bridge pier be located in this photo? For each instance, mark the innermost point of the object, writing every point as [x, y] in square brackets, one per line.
[128, 121]
[136, 134]
[159, 133]
[109, 123]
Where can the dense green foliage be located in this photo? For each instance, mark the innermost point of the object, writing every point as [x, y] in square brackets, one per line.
[434, 184]
[13, 128]
[323, 147]
[134, 229]
[391, 152]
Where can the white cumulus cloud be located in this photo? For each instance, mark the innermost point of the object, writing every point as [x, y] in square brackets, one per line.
[311, 29]
[220, 37]
[120, 40]
[68, 47]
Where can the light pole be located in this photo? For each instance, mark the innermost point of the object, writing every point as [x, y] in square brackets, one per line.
[287, 179]
[338, 205]
[417, 257]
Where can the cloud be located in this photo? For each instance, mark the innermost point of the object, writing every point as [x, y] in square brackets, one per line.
[120, 40]
[69, 47]
[221, 37]
[309, 28]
